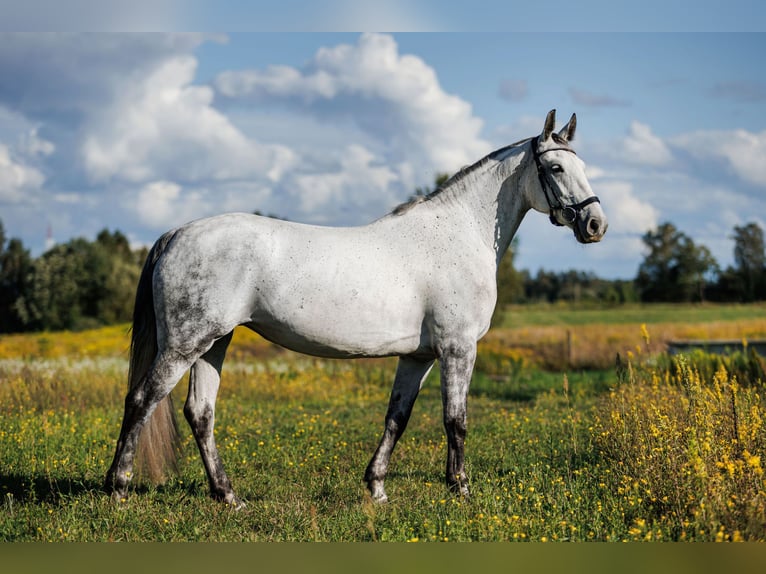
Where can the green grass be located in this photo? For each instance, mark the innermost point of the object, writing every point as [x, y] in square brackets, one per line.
[656, 452]
[298, 461]
[571, 315]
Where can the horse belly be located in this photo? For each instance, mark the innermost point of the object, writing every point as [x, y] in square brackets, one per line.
[341, 323]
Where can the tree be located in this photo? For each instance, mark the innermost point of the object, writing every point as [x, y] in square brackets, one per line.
[74, 285]
[750, 261]
[119, 287]
[15, 269]
[82, 284]
[674, 269]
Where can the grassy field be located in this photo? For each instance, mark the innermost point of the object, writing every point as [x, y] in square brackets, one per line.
[657, 313]
[653, 448]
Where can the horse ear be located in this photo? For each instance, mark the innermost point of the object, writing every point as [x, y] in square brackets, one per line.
[568, 131]
[550, 123]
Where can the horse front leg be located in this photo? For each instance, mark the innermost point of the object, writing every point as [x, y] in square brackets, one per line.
[410, 375]
[456, 366]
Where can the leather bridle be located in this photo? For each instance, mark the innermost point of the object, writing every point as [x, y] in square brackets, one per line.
[569, 213]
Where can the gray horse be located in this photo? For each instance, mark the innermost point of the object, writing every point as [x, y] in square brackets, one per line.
[419, 283]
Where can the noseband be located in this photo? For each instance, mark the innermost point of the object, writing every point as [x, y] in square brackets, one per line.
[568, 212]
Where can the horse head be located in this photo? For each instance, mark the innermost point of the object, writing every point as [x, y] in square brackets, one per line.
[563, 191]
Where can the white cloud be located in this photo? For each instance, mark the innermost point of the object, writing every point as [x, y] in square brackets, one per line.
[65, 77]
[21, 174]
[627, 213]
[642, 147]
[379, 125]
[17, 178]
[742, 151]
[166, 127]
[161, 205]
[33, 145]
[396, 97]
[593, 172]
[157, 203]
[355, 172]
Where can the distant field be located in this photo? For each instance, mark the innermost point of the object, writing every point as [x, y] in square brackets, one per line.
[562, 337]
[543, 315]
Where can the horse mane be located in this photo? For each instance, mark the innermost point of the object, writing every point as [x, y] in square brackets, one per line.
[456, 178]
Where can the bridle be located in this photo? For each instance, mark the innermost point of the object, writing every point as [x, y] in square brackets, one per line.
[569, 213]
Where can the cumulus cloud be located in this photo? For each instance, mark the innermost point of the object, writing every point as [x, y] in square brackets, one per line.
[705, 182]
[370, 84]
[21, 176]
[161, 205]
[63, 77]
[627, 213]
[16, 177]
[355, 172]
[31, 144]
[156, 201]
[642, 147]
[743, 152]
[165, 126]
[122, 119]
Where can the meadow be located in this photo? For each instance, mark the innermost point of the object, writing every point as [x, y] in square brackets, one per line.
[567, 440]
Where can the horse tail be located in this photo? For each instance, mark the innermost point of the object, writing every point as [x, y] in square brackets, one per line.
[158, 445]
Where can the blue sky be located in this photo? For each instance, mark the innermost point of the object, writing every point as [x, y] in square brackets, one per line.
[143, 132]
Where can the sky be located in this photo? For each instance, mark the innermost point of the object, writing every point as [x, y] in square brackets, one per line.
[143, 132]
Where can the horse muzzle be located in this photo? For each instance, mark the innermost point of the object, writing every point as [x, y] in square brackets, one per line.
[590, 227]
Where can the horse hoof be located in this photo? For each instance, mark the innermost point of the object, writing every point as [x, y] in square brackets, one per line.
[380, 498]
[377, 492]
[460, 489]
[119, 497]
[236, 504]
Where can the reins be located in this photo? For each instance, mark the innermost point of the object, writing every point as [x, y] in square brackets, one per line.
[568, 212]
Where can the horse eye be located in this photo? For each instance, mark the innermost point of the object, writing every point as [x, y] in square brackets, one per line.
[556, 168]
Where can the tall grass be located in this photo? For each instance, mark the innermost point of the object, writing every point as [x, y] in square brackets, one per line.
[688, 443]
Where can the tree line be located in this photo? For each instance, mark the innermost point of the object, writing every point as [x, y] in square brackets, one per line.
[74, 285]
[675, 269]
[82, 284]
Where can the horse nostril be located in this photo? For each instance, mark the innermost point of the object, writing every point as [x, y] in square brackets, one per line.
[594, 226]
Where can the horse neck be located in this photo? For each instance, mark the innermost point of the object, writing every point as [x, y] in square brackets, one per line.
[493, 196]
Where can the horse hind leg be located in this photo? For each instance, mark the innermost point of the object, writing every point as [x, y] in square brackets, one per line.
[199, 410]
[140, 403]
[410, 374]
